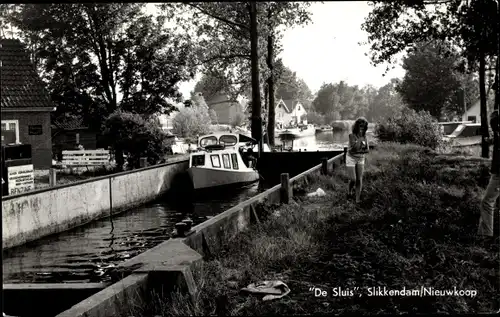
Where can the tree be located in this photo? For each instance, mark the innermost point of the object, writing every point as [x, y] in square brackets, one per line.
[325, 100]
[238, 120]
[198, 101]
[315, 118]
[97, 58]
[223, 31]
[213, 83]
[387, 102]
[131, 133]
[291, 87]
[431, 79]
[470, 26]
[191, 122]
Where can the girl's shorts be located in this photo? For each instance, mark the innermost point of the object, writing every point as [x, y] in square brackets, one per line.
[352, 161]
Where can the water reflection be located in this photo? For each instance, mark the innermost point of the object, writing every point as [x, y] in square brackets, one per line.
[324, 140]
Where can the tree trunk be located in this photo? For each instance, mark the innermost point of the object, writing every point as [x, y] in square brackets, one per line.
[119, 159]
[271, 121]
[256, 101]
[485, 148]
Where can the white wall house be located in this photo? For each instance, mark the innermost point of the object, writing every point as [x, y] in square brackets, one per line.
[289, 111]
[473, 113]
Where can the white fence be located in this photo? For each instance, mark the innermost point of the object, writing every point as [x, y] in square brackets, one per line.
[85, 157]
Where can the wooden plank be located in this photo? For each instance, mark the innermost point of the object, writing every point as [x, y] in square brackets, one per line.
[85, 157]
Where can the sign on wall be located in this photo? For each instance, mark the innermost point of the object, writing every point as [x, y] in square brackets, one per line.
[21, 179]
[35, 129]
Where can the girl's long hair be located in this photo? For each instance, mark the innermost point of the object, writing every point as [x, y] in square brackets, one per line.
[360, 122]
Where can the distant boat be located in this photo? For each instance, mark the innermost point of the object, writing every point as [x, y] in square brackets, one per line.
[465, 135]
[298, 132]
[324, 128]
[219, 162]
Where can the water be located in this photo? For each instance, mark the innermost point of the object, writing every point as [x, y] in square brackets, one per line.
[86, 254]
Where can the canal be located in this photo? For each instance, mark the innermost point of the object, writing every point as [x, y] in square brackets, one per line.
[87, 253]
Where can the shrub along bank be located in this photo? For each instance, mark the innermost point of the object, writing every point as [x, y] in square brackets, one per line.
[415, 227]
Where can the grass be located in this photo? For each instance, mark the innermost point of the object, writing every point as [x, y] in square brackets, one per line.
[415, 227]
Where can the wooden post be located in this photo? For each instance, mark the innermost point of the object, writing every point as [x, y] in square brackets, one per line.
[143, 162]
[324, 166]
[286, 189]
[52, 177]
[345, 154]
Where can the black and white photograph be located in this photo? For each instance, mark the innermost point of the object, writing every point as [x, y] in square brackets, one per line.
[250, 158]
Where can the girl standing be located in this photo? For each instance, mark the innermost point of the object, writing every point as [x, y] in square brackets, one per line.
[355, 158]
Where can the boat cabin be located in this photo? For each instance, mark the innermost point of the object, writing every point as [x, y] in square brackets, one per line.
[448, 127]
[220, 151]
[466, 130]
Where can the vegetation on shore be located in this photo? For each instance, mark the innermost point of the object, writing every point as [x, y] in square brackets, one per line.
[415, 227]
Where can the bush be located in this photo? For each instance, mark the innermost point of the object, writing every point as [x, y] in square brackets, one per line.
[192, 121]
[213, 116]
[315, 118]
[410, 127]
[131, 133]
[341, 125]
[238, 120]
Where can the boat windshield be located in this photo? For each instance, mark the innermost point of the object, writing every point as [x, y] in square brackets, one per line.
[228, 140]
[209, 140]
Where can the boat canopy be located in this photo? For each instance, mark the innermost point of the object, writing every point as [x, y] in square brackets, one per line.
[245, 139]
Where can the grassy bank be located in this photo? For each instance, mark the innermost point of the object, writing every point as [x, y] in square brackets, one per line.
[415, 227]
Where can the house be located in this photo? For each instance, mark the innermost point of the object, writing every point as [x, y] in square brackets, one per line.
[289, 112]
[68, 133]
[25, 103]
[474, 112]
[226, 109]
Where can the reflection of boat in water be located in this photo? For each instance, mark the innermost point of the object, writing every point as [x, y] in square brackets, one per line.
[298, 132]
[218, 162]
[324, 128]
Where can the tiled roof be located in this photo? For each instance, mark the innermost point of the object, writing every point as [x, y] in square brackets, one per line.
[290, 104]
[69, 124]
[21, 85]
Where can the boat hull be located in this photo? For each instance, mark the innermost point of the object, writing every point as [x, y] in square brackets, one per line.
[203, 178]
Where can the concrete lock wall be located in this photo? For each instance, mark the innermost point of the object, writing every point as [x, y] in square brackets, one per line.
[170, 264]
[31, 216]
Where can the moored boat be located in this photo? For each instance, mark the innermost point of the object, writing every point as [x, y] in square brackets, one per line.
[465, 135]
[298, 132]
[324, 128]
[219, 162]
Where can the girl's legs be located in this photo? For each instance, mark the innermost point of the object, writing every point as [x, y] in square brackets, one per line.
[351, 172]
[360, 168]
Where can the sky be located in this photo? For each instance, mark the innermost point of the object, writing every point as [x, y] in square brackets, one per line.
[327, 50]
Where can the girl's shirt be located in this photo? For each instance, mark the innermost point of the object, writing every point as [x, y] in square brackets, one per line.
[358, 146]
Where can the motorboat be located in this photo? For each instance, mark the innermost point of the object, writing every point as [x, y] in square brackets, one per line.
[298, 132]
[465, 135]
[218, 162]
[324, 128]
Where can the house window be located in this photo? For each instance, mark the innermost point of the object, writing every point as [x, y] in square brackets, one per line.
[471, 118]
[225, 161]
[234, 158]
[215, 160]
[298, 107]
[10, 131]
